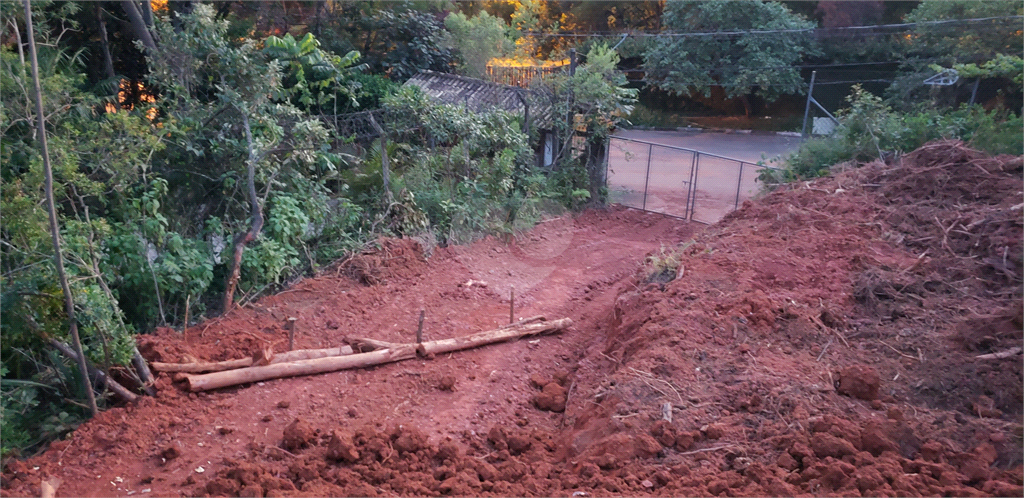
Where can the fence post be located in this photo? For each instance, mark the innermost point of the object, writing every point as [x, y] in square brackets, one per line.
[693, 186]
[807, 108]
[650, 150]
[691, 190]
[739, 182]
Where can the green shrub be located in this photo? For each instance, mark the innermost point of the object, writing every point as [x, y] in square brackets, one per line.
[646, 117]
[869, 130]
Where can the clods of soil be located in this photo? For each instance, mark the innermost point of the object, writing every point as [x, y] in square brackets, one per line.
[851, 336]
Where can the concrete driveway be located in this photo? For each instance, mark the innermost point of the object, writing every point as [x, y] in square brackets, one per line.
[748, 147]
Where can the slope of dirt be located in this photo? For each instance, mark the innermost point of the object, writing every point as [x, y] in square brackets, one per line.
[821, 341]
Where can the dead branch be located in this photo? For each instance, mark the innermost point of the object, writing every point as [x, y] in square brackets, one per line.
[121, 391]
[1000, 355]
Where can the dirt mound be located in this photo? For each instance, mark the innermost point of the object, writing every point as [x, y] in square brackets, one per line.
[390, 258]
[801, 318]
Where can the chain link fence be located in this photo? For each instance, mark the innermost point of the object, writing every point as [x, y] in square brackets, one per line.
[678, 182]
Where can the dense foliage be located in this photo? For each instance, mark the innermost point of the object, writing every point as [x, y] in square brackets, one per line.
[871, 130]
[743, 63]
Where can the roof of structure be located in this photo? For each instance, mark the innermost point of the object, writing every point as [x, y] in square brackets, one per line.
[478, 95]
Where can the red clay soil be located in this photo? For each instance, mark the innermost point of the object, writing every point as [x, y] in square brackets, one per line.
[823, 340]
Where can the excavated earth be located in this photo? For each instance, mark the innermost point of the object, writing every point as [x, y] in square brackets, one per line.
[838, 337]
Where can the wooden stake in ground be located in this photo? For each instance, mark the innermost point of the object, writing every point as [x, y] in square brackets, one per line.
[419, 329]
[397, 353]
[512, 305]
[291, 333]
[69, 303]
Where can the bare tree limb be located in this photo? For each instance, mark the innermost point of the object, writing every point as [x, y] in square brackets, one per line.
[115, 387]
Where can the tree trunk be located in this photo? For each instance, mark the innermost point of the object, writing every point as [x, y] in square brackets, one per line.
[257, 219]
[385, 168]
[146, 9]
[138, 24]
[69, 303]
[745, 98]
[108, 62]
[389, 355]
[596, 148]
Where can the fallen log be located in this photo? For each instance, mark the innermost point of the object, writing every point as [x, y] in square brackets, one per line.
[145, 376]
[399, 352]
[491, 336]
[364, 345]
[220, 366]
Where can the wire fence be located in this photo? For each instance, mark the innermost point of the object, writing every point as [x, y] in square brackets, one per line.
[678, 182]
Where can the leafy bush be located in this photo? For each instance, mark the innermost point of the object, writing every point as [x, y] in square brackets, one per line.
[645, 117]
[869, 129]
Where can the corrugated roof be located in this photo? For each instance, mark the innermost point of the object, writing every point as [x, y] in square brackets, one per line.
[478, 95]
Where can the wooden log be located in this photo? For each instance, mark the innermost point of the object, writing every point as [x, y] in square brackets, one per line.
[491, 336]
[363, 345]
[397, 353]
[263, 356]
[226, 378]
[220, 366]
[143, 370]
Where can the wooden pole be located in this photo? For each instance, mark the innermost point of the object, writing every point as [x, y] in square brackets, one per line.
[419, 329]
[512, 305]
[306, 367]
[58, 258]
[398, 353]
[807, 107]
[291, 333]
[220, 366]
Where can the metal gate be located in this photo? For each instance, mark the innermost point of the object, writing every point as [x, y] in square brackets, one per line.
[678, 182]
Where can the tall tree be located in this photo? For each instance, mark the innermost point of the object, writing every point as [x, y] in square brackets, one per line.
[140, 16]
[478, 40]
[231, 110]
[69, 302]
[737, 58]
